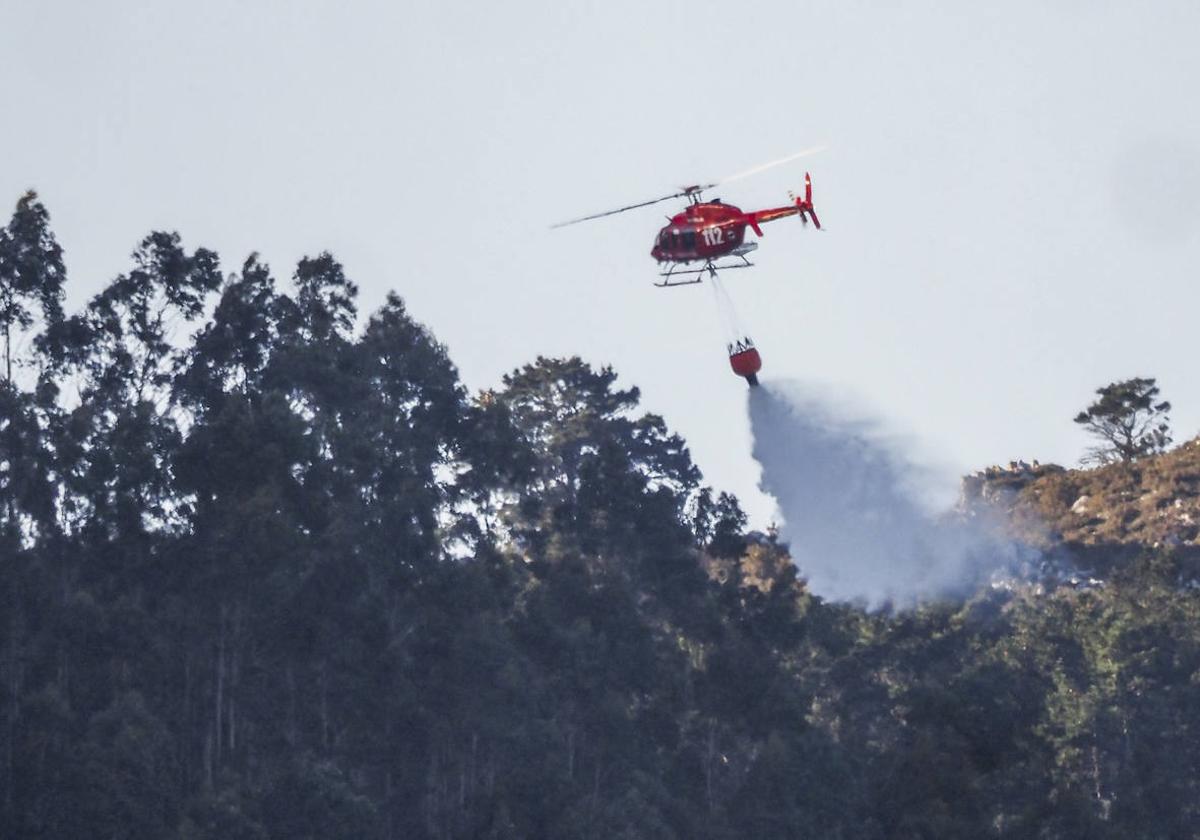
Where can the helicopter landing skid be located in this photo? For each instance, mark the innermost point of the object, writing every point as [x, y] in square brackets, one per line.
[696, 274]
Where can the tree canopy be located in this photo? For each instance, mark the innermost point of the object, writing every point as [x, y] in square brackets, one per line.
[270, 571]
[1127, 420]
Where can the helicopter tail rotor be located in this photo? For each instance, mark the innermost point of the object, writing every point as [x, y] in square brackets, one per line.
[805, 205]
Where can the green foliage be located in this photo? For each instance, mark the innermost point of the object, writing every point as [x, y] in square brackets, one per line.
[1128, 420]
[31, 274]
[285, 578]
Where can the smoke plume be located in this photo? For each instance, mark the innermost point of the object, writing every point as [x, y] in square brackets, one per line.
[857, 512]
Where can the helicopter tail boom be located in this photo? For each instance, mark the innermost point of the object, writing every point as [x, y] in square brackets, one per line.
[802, 207]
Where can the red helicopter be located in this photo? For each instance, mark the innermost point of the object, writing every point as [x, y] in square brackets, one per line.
[706, 231]
[709, 230]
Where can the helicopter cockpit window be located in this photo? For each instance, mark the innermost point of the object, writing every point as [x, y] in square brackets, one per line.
[689, 239]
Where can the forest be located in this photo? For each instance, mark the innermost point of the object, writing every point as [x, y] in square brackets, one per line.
[270, 570]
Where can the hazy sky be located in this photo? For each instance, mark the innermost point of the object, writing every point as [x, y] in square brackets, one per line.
[1011, 191]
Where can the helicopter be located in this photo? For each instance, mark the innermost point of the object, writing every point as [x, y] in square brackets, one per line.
[708, 231]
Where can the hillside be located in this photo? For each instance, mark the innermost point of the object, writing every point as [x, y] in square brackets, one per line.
[1154, 501]
[1097, 515]
[271, 572]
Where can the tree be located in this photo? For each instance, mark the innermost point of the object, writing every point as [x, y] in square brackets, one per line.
[1128, 420]
[122, 433]
[31, 273]
[31, 281]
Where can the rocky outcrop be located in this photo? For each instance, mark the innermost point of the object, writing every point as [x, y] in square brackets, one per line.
[1153, 501]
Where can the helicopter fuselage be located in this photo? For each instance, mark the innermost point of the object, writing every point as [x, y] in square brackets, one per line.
[709, 230]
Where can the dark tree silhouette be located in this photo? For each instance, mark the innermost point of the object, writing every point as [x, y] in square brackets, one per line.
[31, 273]
[1128, 420]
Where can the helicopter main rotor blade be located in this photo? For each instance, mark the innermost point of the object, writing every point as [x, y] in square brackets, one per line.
[696, 188]
[765, 166]
[687, 191]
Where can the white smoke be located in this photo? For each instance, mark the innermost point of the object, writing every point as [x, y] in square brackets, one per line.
[857, 512]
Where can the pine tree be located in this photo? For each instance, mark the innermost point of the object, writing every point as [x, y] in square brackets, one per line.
[1128, 419]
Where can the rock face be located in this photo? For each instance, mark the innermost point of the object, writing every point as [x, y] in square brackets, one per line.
[1002, 486]
[1154, 501]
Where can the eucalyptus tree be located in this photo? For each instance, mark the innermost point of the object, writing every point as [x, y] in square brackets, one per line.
[32, 278]
[122, 350]
[32, 274]
[113, 445]
[31, 291]
[235, 471]
[583, 435]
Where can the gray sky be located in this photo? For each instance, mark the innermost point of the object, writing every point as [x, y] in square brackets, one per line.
[1011, 191]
